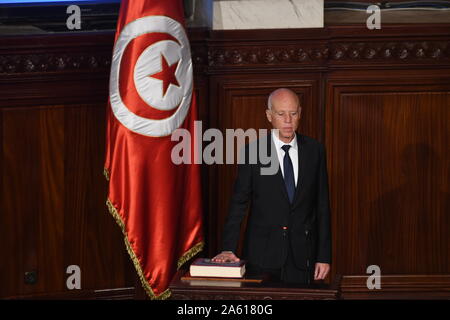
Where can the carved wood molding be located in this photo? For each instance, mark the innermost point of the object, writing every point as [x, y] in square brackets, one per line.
[294, 55]
[232, 50]
[67, 61]
[393, 51]
[44, 62]
[414, 52]
[266, 55]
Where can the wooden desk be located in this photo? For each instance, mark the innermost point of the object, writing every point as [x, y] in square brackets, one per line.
[266, 290]
[397, 287]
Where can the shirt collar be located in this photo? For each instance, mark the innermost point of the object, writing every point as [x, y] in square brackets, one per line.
[279, 143]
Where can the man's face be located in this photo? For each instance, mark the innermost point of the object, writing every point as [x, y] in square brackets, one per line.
[284, 116]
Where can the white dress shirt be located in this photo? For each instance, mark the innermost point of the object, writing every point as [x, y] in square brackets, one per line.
[293, 153]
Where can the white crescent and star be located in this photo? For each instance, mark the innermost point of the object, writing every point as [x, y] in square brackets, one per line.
[167, 74]
[162, 76]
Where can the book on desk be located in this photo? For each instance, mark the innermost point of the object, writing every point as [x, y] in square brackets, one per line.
[204, 272]
[204, 267]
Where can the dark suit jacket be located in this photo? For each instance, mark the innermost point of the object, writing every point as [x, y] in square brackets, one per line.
[307, 219]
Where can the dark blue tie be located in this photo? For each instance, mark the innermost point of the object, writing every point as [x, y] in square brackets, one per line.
[289, 179]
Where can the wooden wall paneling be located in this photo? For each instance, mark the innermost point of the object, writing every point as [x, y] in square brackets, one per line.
[387, 142]
[88, 224]
[21, 197]
[54, 200]
[367, 94]
[53, 102]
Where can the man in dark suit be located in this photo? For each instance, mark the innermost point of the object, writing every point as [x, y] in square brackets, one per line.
[288, 233]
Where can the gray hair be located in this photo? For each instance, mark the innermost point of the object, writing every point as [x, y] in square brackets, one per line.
[269, 100]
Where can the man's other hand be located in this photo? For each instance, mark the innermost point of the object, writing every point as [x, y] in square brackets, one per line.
[225, 256]
[321, 271]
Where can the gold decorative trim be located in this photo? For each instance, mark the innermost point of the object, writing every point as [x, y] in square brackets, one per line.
[148, 289]
[190, 253]
[106, 173]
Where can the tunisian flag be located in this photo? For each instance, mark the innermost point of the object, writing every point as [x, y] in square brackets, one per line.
[156, 203]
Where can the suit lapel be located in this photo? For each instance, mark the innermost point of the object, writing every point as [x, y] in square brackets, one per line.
[301, 169]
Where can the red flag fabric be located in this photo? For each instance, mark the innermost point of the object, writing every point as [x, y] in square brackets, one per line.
[156, 203]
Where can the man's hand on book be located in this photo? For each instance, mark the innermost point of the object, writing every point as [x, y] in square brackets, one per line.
[321, 271]
[225, 256]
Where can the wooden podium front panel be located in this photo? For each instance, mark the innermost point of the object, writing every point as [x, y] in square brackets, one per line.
[223, 290]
